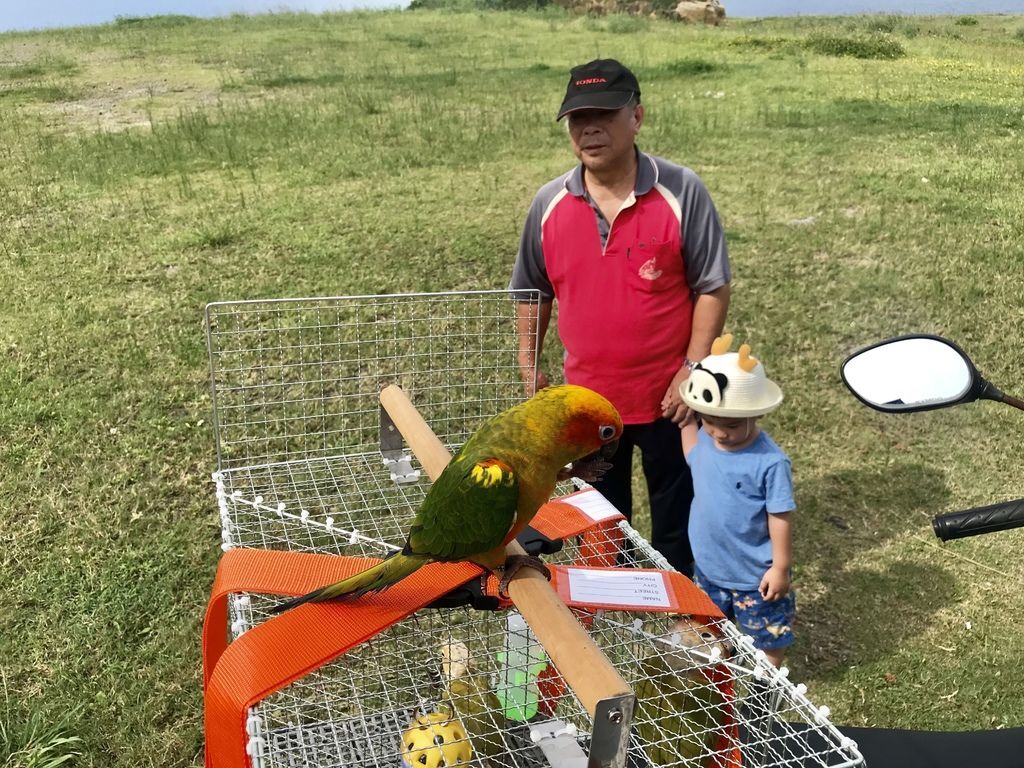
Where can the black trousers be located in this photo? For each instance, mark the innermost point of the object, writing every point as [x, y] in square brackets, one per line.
[669, 486]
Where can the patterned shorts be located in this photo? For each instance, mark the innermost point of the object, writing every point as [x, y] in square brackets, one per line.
[770, 624]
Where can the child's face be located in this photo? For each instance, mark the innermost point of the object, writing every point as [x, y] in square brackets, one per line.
[730, 434]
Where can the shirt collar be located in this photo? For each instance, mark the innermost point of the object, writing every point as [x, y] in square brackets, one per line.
[646, 177]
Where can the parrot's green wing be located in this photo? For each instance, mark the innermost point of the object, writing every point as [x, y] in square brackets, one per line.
[468, 510]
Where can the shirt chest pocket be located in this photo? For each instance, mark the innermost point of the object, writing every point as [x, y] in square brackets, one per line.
[742, 486]
[655, 266]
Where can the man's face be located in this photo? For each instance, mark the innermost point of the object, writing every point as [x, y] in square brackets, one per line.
[604, 138]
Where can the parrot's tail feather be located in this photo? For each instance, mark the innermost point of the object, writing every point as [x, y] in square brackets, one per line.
[379, 577]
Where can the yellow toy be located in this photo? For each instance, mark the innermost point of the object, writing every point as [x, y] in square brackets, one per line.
[435, 740]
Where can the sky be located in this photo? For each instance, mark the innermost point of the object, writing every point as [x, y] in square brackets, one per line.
[39, 14]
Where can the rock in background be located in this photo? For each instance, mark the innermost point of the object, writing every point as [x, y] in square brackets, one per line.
[694, 11]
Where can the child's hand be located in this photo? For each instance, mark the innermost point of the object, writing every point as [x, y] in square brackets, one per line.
[774, 583]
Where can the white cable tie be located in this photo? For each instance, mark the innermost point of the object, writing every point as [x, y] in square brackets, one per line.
[242, 601]
[823, 713]
[304, 514]
[280, 509]
[258, 500]
[225, 547]
[329, 522]
[801, 688]
[761, 666]
[252, 725]
[238, 626]
[638, 625]
[847, 743]
[715, 653]
[783, 671]
[236, 494]
[215, 476]
[255, 745]
[675, 638]
[353, 538]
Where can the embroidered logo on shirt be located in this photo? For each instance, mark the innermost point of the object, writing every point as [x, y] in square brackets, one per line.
[649, 270]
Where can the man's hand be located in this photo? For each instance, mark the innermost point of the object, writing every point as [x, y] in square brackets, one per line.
[534, 380]
[672, 406]
[774, 583]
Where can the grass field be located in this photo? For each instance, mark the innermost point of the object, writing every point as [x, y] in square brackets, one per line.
[868, 174]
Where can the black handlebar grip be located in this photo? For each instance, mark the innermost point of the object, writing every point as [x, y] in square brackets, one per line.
[971, 522]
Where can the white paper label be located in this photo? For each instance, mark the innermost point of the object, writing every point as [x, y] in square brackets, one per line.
[624, 587]
[592, 504]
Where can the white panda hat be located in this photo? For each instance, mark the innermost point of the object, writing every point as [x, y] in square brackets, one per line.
[730, 384]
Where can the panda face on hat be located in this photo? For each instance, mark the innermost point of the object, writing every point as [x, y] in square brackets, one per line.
[730, 384]
[705, 386]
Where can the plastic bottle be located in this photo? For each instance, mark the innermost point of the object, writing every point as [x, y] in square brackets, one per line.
[521, 661]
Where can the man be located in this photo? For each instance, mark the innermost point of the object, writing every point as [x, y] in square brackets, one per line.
[631, 248]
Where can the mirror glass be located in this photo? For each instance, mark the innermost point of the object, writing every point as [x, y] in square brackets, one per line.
[909, 373]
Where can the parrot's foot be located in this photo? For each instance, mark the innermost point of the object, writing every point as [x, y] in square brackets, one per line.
[511, 567]
[589, 469]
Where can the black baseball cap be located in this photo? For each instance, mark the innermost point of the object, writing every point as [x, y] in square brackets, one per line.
[599, 84]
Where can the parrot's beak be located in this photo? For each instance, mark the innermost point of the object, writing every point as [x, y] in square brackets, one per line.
[608, 449]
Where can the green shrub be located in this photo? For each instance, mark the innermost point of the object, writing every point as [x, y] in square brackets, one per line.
[870, 47]
[966, 21]
[762, 42]
[477, 5]
[623, 24]
[159, 21]
[444, 5]
[690, 67]
[887, 23]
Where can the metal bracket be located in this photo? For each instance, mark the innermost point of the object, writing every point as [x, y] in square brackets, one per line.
[613, 718]
[396, 458]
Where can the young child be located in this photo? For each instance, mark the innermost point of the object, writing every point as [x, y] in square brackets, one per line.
[742, 496]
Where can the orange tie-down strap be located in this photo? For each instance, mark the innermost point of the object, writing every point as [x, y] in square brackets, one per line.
[279, 651]
[282, 649]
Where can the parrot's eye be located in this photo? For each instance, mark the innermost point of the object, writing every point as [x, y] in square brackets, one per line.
[606, 432]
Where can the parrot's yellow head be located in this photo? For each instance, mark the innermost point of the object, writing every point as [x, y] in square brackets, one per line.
[584, 419]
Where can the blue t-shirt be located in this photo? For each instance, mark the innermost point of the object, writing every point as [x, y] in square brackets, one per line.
[733, 494]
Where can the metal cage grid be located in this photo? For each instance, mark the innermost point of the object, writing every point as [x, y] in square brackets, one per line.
[300, 467]
[298, 379]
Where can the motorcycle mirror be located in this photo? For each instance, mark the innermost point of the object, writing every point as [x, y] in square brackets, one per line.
[917, 372]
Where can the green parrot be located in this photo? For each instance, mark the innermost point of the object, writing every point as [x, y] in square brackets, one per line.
[680, 712]
[468, 696]
[494, 485]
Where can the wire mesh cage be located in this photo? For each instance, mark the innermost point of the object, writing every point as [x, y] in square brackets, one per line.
[305, 465]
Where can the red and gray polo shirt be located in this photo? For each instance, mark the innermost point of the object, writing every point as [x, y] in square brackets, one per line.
[625, 292]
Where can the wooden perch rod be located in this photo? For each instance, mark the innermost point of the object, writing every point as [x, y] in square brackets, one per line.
[585, 668]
